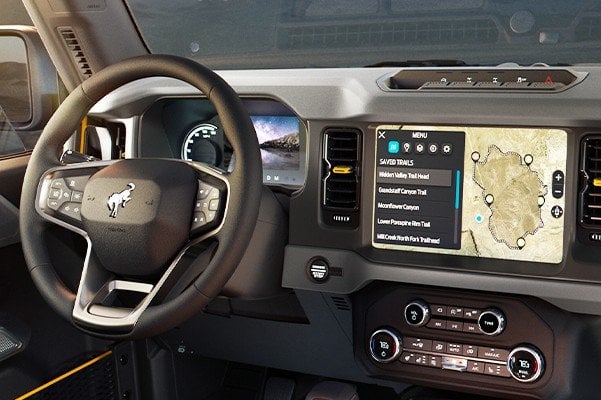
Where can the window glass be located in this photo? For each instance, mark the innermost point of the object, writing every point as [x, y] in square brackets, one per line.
[244, 34]
[10, 142]
[15, 98]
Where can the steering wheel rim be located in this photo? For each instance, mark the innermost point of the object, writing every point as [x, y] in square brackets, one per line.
[234, 232]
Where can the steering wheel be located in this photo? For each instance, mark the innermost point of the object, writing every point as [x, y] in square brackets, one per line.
[141, 216]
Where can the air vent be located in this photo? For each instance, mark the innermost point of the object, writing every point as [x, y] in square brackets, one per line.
[590, 193]
[340, 303]
[77, 54]
[341, 173]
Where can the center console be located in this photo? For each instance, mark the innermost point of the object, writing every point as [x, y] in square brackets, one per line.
[458, 247]
[476, 192]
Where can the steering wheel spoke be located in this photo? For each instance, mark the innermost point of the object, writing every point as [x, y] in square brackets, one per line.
[112, 305]
[97, 305]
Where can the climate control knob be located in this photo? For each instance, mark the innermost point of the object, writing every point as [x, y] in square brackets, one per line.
[385, 345]
[417, 313]
[525, 363]
[491, 322]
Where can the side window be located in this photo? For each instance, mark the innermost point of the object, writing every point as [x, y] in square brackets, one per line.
[29, 88]
[15, 93]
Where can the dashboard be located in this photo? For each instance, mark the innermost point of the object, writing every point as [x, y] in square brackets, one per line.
[451, 235]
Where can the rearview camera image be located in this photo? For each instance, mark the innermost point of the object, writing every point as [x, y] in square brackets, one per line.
[279, 141]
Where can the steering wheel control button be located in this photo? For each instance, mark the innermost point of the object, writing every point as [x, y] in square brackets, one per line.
[417, 313]
[77, 182]
[214, 204]
[525, 364]
[54, 204]
[58, 184]
[72, 210]
[203, 190]
[491, 322]
[76, 196]
[57, 197]
[206, 205]
[66, 195]
[55, 194]
[318, 270]
[199, 220]
[385, 345]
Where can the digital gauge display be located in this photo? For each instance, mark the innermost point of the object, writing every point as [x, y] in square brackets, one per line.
[280, 143]
[203, 144]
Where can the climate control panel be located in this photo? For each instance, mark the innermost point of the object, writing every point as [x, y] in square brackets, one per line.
[453, 337]
[524, 363]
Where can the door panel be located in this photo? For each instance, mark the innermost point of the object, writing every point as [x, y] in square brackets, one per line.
[11, 175]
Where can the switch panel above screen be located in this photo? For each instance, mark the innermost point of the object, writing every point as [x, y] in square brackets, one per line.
[471, 191]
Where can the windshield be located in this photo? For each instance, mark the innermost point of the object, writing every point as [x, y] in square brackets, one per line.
[243, 34]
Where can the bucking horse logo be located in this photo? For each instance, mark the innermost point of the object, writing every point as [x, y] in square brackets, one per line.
[120, 199]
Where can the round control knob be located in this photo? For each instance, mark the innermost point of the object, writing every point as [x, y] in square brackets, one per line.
[385, 345]
[417, 313]
[491, 322]
[525, 364]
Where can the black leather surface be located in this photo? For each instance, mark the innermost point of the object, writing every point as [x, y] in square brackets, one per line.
[32, 226]
[140, 239]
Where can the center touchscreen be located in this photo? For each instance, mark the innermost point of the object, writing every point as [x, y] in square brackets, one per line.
[473, 191]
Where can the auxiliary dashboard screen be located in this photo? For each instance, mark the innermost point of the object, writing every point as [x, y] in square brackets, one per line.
[279, 140]
[472, 191]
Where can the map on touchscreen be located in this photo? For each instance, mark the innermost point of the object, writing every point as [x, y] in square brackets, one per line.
[472, 191]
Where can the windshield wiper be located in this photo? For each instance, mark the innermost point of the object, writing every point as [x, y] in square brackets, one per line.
[421, 63]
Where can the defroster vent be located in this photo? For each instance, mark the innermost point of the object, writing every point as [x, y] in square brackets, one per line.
[341, 176]
[590, 190]
[73, 44]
